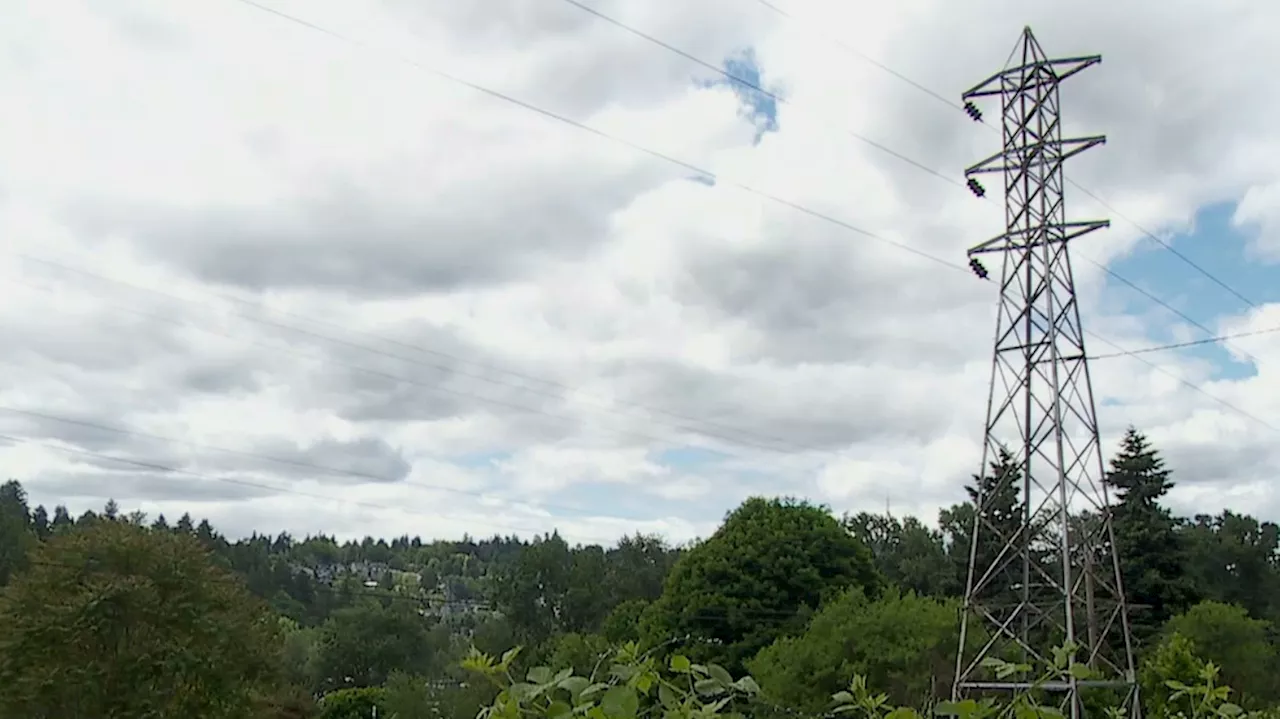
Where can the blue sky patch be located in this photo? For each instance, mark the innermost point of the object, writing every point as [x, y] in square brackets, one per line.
[759, 107]
[1221, 249]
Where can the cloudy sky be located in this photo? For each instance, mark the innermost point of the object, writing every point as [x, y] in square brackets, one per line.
[427, 267]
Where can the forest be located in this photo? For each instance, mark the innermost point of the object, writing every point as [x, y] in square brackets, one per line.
[786, 610]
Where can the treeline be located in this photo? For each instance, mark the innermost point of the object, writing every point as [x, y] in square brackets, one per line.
[120, 605]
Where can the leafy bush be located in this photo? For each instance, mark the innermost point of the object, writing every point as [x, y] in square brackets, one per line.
[636, 685]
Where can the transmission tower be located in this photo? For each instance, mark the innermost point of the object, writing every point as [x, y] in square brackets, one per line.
[1042, 573]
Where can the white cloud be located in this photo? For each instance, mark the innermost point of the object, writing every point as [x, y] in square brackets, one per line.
[531, 310]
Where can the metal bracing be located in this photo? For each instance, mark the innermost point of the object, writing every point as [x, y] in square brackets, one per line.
[1045, 576]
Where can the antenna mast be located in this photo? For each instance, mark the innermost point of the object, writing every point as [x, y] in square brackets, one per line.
[1042, 571]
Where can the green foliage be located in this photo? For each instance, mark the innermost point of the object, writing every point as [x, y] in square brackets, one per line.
[550, 589]
[628, 686]
[1173, 660]
[116, 620]
[1238, 644]
[1236, 560]
[758, 577]
[1153, 554]
[623, 623]
[911, 555]
[581, 652]
[903, 644]
[362, 645]
[401, 612]
[354, 703]
[407, 696]
[998, 491]
[17, 532]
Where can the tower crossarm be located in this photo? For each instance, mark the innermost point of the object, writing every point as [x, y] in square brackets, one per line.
[1027, 238]
[1021, 78]
[1037, 155]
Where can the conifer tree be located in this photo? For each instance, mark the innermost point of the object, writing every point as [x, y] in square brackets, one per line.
[1153, 554]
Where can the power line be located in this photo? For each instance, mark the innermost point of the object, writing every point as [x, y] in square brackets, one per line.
[858, 53]
[1146, 233]
[758, 88]
[1192, 343]
[166, 469]
[379, 478]
[1156, 239]
[613, 138]
[1136, 288]
[444, 390]
[440, 367]
[1120, 351]
[405, 380]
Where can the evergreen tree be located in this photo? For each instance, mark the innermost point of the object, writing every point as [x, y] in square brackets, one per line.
[1002, 516]
[62, 521]
[40, 522]
[16, 535]
[1153, 554]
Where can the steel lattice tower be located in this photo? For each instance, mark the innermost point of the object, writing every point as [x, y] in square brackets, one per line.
[1042, 572]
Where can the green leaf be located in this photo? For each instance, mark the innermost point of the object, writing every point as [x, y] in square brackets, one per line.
[1080, 671]
[574, 685]
[593, 690]
[539, 675]
[720, 674]
[620, 702]
[699, 669]
[1230, 710]
[963, 709]
[510, 656]
[902, 713]
[680, 664]
[558, 710]
[747, 685]
[842, 697]
[708, 687]
[667, 697]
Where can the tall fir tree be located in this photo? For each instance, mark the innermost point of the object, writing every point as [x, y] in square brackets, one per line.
[1154, 557]
[1000, 489]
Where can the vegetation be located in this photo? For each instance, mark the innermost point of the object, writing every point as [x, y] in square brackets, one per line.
[785, 610]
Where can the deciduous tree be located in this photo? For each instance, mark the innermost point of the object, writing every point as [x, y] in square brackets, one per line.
[112, 619]
[760, 575]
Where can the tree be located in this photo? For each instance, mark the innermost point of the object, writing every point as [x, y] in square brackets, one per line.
[904, 644]
[911, 555]
[638, 566]
[361, 646]
[17, 535]
[353, 703]
[116, 620]
[40, 523]
[1174, 659]
[1001, 520]
[760, 575]
[409, 697]
[62, 521]
[1235, 559]
[1239, 645]
[532, 591]
[1153, 554]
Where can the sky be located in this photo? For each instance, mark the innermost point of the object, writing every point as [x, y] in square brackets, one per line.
[432, 268]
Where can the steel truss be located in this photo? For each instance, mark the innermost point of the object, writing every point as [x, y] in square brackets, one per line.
[1049, 577]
